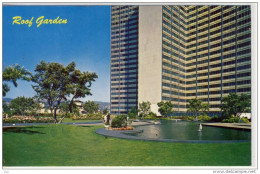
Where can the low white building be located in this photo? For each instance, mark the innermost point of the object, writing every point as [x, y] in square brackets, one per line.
[246, 115]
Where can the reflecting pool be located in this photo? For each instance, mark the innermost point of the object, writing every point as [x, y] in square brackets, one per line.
[184, 130]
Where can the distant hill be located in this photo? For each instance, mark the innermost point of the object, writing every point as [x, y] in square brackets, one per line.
[8, 100]
[103, 105]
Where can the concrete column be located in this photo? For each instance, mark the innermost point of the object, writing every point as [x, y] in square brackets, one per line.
[150, 56]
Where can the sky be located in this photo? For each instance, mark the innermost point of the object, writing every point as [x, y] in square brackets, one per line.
[84, 39]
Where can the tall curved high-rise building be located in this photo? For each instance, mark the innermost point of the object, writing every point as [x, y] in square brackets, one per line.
[176, 53]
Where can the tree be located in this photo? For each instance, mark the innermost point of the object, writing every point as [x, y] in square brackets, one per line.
[233, 104]
[90, 107]
[57, 83]
[204, 108]
[64, 107]
[79, 84]
[144, 108]
[133, 113]
[165, 108]
[12, 74]
[105, 111]
[194, 106]
[21, 105]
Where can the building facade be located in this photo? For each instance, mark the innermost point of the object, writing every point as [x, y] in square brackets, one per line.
[176, 53]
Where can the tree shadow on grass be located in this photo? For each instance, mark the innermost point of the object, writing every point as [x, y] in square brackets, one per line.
[21, 130]
[85, 126]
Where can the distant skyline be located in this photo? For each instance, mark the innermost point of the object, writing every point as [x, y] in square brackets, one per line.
[85, 39]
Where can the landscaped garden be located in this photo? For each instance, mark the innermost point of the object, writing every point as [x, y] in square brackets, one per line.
[78, 145]
[67, 145]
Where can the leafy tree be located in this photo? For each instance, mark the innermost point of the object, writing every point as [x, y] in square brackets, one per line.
[56, 83]
[64, 107]
[144, 108]
[90, 107]
[204, 108]
[194, 106]
[233, 104]
[133, 113]
[165, 108]
[12, 74]
[21, 105]
[51, 81]
[105, 111]
[79, 84]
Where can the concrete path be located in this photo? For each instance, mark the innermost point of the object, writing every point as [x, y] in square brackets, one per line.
[34, 124]
[135, 123]
[245, 126]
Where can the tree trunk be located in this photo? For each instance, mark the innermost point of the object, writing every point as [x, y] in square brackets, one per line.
[70, 107]
[55, 115]
[71, 104]
[60, 121]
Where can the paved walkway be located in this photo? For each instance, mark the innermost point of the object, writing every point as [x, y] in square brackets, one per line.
[245, 126]
[34, 124]
[135, 123]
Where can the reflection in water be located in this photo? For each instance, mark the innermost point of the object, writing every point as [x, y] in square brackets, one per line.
[183, 130]
[200, 135]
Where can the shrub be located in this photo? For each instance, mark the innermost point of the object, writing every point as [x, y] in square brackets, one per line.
[28, 119]
[45, 120]
[215, 118]
[151, 115]
[204, 118]
[189, 118]
[133, 113]
[119, 121]
[231, 120]
[179, 117]
[88, 117]
[244, 119]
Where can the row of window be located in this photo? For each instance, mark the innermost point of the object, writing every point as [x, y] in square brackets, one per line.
[124, 69]
[173, 73]
[175, 60]
[173, 86]
[132, 74]
[120, 103]
[124, 88]
[132, 64]
[125, 83]
[122, 93]
[247, 74]
[128, 98]
[219, 58]
[219, 85]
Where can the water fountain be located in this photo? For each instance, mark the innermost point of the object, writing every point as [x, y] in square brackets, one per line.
[200, 129]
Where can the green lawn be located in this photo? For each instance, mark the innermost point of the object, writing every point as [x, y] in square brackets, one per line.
[67, 145]
[69, 120]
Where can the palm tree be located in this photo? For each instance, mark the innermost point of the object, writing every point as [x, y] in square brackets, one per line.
[12, 74]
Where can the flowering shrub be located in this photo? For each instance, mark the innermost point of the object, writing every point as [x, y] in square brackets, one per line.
[236, 120]
[28, 119]
[88, 117]
[231, 120]
[204, 118]
[45, 120]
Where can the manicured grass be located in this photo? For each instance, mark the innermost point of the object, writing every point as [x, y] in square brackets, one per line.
[69, 120]
[67, 145]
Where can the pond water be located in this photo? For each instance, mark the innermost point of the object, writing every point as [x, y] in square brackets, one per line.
[184, 130]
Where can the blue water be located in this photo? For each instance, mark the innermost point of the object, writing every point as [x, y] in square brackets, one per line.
[184, 130]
